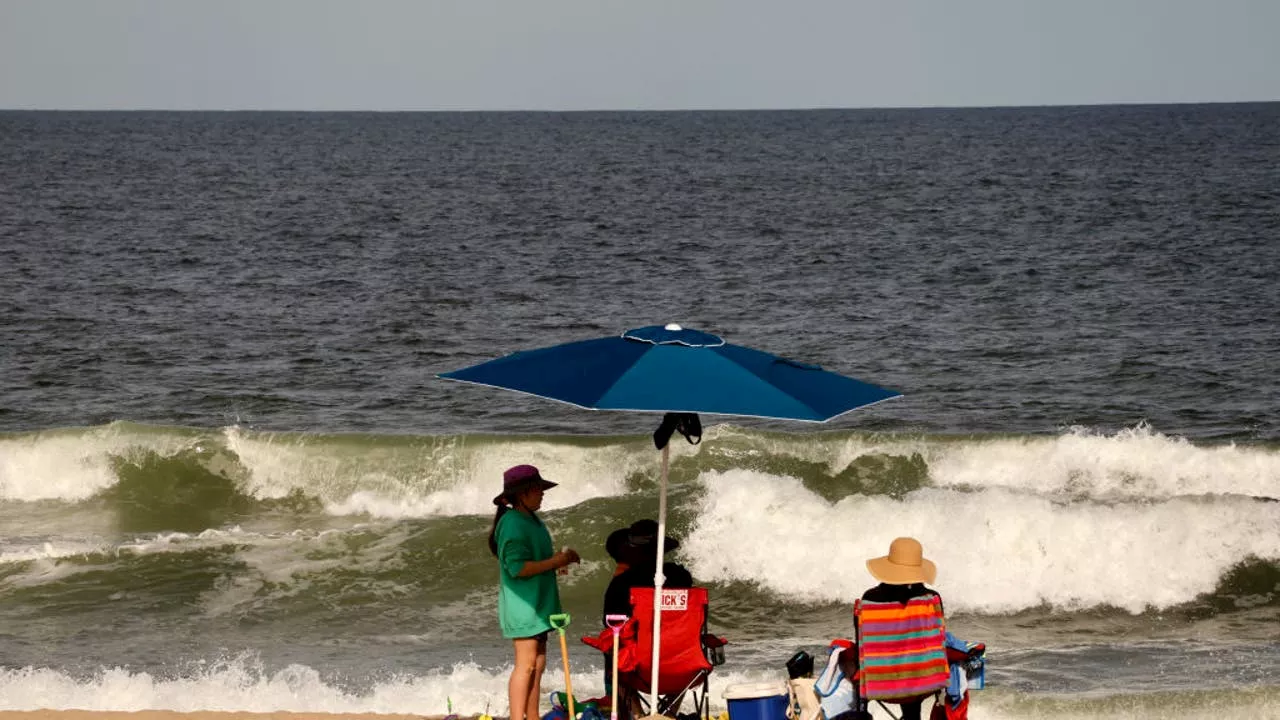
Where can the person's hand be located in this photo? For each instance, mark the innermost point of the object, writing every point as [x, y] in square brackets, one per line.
[570, 556]
[564, 559]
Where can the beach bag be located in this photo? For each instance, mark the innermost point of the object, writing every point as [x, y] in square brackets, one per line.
[968, 665]
[944, 709]
[804, 701]
[835, 690]
[968, 672]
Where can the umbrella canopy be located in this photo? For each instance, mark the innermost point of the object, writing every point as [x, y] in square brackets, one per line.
[674, 370]
[671, 369]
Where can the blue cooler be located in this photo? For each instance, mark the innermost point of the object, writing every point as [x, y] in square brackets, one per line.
[757, 701]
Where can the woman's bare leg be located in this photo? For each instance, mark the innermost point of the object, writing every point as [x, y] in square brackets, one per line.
[535, 688]
[526, 677]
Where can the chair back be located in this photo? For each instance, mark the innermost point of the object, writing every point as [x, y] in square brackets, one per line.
[901, 651]
[681, 658]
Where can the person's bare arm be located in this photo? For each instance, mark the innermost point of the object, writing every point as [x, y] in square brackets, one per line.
[555, 562]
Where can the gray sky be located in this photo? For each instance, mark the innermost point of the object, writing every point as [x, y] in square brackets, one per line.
[632, 54]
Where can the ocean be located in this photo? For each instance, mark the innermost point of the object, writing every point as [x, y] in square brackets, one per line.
[231, 480]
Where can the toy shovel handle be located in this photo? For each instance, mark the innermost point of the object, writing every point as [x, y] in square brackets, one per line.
[615, 622]
[559, 622]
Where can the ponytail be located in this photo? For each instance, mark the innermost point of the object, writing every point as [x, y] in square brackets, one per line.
[493, 530]
[501, 501]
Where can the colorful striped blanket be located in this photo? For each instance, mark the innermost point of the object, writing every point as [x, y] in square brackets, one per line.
[901, 651]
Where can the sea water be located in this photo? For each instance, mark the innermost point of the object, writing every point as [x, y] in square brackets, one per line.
[230, 480]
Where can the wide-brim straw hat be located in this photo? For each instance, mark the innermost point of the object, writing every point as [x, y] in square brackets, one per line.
[904, 565]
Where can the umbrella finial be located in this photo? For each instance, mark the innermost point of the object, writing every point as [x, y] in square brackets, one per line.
[673, 327]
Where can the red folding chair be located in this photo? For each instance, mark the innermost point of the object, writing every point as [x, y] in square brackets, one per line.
[686, 658]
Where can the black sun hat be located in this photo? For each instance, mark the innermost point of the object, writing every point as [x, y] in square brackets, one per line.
[643, 533]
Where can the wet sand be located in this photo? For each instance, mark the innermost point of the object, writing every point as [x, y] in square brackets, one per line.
[199, 715]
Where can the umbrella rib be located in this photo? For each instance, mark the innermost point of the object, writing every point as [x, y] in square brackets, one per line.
[605, 390]
[863, 406]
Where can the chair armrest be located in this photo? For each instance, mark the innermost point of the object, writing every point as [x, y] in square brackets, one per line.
[713, 648]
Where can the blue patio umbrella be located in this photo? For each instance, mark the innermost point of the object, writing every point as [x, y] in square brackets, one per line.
[671, 369]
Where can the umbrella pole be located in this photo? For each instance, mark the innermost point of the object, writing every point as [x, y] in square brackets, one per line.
[658, 579]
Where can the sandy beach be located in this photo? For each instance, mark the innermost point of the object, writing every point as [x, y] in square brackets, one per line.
[199, 715]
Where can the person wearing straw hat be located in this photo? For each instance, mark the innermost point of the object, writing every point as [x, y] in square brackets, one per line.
[901, 631]
[527, 593]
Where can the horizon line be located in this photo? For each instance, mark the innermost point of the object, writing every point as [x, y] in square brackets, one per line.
[814, 108]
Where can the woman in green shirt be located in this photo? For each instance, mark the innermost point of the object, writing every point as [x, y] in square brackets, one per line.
[527, 592]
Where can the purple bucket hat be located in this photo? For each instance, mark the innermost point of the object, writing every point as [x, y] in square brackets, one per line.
[518, 478]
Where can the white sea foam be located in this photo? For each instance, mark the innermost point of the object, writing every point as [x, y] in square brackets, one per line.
[1138, 462]
[69, 464]
[240, 684]
[441, 478]
[16, 552]
[1133, 463]
[997, 550]
[395, 478]
[275, 557]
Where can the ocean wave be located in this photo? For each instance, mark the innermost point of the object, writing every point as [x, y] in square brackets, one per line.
[1134, 520]
[421, 476]
[998, 550]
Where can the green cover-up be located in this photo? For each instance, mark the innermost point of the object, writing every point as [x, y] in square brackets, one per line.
[524, 604]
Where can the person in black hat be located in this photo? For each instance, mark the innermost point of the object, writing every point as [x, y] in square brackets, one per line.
[636, 549]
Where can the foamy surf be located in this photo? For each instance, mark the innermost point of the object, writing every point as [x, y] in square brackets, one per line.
[241, 685]
[998, 551]
[419, 476]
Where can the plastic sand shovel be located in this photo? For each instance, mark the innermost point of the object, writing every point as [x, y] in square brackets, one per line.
[559, 622]
[615, 623]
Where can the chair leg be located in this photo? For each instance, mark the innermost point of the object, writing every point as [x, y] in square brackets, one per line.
[704, 702]
[632, 705]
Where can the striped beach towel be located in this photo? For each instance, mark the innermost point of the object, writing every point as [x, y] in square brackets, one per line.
[901, 648]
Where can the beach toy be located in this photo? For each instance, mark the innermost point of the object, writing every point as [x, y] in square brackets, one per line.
[485, 715]
[449, 704]
[586, 709]
[615, 623]
[560, 701]
[558, 622]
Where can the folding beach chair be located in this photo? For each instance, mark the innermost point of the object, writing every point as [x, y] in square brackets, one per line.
[687, 656]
